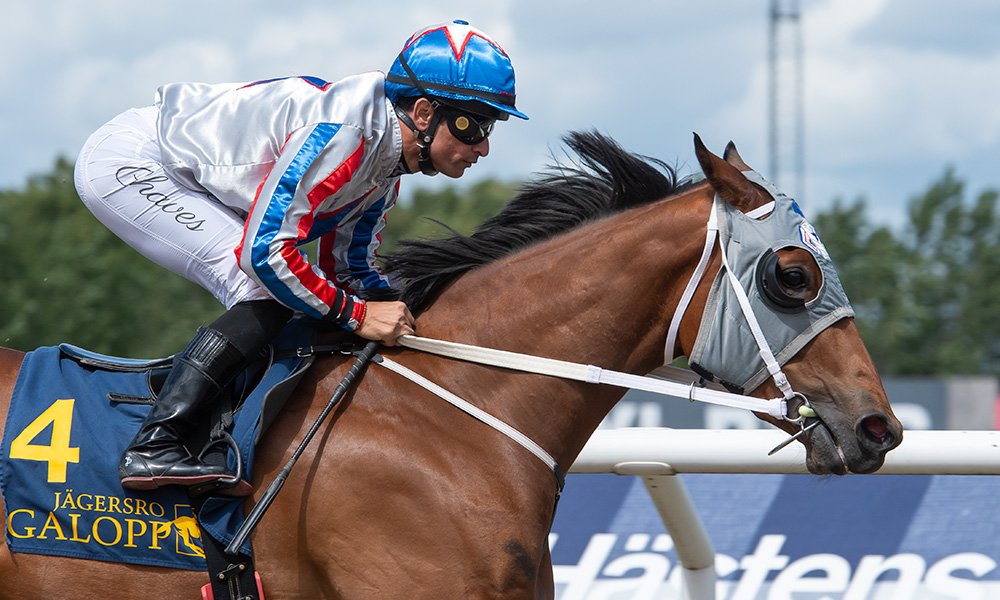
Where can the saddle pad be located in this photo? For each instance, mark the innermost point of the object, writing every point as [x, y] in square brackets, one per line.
[59, 471]
[59, 468]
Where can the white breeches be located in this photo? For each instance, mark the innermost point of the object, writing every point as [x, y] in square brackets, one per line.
[121, 180]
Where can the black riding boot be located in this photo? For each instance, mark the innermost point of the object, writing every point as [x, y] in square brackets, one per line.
[158, 455]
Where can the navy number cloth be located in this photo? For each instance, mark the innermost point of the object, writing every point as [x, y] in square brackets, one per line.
[59, 457]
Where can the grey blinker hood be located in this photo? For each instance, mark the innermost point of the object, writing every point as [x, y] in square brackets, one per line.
[725, 349]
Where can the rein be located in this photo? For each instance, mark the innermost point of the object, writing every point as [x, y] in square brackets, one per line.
[775, 407]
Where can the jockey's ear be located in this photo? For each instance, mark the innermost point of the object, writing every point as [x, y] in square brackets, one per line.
[423, 110]
[728, 181]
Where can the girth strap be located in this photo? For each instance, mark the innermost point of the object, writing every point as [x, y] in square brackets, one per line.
[229, 577]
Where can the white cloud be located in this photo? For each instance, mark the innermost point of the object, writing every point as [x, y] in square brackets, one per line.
[831, 23]
[888, 101]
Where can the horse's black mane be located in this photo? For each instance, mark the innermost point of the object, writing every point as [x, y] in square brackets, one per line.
[603, 179]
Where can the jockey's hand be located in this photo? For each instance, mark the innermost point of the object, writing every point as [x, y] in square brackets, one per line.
[386, 321]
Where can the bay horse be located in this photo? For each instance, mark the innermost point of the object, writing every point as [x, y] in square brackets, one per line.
[403, 496]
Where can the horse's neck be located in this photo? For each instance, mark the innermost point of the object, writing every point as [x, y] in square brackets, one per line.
[603, 294]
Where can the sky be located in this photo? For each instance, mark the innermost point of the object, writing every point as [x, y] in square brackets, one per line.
[894, 91]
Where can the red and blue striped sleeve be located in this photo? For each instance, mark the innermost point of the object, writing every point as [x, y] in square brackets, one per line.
[351, 249]
[315, 163]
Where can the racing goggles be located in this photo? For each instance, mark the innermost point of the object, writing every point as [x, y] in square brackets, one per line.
[467, 128]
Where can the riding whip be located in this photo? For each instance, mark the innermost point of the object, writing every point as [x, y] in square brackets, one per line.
[362, 360]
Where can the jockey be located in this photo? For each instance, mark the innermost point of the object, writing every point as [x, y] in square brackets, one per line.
[221, 183]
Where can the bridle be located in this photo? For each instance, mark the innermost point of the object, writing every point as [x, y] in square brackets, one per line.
[793, 407]
[804, 410]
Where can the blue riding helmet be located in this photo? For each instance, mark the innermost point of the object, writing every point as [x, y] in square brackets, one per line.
[454, 61]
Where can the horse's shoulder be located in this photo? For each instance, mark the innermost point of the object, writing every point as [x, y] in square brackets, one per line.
[10, 356]
[10, 364]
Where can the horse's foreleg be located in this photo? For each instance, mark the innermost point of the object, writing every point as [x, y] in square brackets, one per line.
[545, 587]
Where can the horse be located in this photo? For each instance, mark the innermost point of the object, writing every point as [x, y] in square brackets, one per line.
[400, 495]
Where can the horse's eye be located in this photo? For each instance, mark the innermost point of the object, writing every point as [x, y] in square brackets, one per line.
[793, 278]
[784, 289]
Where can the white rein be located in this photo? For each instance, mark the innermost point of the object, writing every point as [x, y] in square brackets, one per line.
[775, 407]
[590, 374]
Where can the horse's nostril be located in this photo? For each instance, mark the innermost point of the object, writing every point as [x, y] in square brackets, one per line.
[876, 429]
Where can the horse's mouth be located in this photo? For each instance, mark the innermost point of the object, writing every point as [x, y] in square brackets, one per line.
[827, 456]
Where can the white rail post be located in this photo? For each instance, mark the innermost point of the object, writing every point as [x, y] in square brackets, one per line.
[692, 545]
[691, 542]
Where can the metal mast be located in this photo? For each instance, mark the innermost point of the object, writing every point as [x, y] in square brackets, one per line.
[785, 107]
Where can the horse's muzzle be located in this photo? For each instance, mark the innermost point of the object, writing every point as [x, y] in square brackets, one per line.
[861, 449]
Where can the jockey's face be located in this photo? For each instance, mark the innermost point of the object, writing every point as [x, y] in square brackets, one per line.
[451, 156]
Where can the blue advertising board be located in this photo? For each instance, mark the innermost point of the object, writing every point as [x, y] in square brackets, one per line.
[777, 537]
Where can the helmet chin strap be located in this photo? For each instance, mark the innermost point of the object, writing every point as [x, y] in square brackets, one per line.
[424, 139]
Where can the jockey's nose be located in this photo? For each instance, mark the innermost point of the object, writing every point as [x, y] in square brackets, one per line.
[482, 148]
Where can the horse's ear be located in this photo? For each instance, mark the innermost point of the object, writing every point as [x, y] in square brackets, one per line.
[732, 156]
[728, 181]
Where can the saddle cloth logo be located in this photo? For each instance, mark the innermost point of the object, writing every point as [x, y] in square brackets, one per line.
[59, 471]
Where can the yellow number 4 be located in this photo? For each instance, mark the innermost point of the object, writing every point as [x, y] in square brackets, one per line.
[58, 452]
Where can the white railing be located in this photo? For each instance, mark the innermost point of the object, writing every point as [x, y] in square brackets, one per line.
[657, 454]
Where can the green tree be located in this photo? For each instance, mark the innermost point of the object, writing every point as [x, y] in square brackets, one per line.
[955, 289]
[868, 261]
[927, 298]
[67, 278]
[428, 214]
